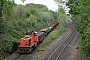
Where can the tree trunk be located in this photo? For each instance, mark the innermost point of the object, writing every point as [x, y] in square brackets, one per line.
[1, 8]
[1, 14]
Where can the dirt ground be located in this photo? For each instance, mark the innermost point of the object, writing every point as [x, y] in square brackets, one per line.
[74, 52]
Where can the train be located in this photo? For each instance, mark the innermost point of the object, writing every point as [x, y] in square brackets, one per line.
[32, 39]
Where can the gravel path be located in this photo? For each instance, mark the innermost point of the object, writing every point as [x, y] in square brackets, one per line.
[73, 53]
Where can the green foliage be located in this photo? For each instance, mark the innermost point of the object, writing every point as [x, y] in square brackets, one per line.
[61, 10]
[55, 14]
[59, 1]
[39, 6]
[47, 17]
[19, 12]
[5, 10]
[23, 18]
[80, 10]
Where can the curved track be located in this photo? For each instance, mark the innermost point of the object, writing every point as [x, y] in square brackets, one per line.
[20, 57]
[56, 54]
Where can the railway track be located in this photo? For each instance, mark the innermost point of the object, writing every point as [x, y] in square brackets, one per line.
[16, 56]
[56, 54]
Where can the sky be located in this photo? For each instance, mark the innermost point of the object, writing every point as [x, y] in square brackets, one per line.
[49, 3]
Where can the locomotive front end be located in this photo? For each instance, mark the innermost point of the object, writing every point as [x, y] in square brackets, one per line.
[24, 45]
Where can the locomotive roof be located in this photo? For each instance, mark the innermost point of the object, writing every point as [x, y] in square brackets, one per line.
[27, 36]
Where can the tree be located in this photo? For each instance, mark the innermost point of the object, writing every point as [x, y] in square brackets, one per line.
[1, 8]
[19, 11]
[80, 11]
[5, 11]
[55, 15]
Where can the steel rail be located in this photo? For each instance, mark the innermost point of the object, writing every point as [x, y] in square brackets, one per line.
[20, 57]
[65, 47]
[16, 57]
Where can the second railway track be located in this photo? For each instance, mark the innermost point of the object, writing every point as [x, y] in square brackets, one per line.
[16, 56]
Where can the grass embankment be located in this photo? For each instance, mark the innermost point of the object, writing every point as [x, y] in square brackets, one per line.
[55, 33]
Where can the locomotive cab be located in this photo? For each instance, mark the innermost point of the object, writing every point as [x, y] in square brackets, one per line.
[27, 43]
